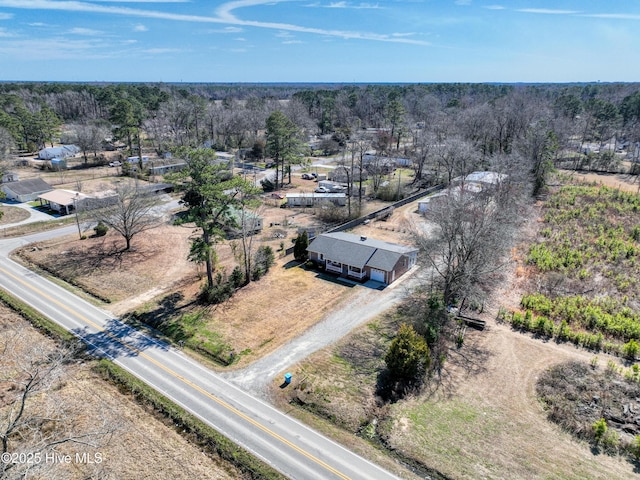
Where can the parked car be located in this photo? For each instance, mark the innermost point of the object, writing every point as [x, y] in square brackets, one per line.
[277, 195]
[115, 163]
[269, 165]
[307, 176]
[321, 190]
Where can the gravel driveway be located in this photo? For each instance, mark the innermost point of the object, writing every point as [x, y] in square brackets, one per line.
[368, 303]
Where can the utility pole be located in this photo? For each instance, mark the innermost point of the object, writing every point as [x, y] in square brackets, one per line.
[75, 207]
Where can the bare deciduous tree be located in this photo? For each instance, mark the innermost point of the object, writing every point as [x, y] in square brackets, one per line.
[35, 420]
[473, 231]
[89, 138]
[133, 210]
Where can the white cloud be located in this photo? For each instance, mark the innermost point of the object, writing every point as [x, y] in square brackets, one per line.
[56, 49]
[408, 34]
[160, 51]
[140, 28]
[547, 11]
[353, 6]
[357, 6]
[463, 2]
[37, 24]
[494, 7]
[85, 31]
[6, 16]
[292, 42]
[615, 16]
[225, 15]
[5, 34]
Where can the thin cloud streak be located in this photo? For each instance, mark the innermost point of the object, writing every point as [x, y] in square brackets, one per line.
[224, 12]
[615, 16]
[547, 11]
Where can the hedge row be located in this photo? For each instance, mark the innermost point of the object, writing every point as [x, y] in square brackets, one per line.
[205, 436]
[39, 321]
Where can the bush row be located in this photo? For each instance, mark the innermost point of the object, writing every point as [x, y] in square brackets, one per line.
[204, 436]
[603, 315]
[562, 332]
[39, 321]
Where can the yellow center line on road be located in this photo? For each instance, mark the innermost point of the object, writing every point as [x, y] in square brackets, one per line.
[188, 382]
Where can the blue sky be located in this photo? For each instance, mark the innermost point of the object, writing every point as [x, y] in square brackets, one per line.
[320, 40]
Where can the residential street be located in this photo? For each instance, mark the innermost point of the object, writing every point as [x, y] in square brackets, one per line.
[292, 448]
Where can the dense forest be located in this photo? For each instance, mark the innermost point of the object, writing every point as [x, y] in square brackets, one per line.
[456, 126]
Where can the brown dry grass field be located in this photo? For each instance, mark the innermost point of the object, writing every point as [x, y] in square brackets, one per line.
[140, 447]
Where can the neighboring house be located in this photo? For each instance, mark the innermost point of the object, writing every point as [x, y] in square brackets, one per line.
[164, 169]
[315, 199]
[471, 185]
[485, 178]
[332, 187]
[25, 190]
[136, 159]
[371, 157]
[361, 258]
[439, 198]
[341, 174]
[62, 201]
[252, 222]
[61, 152]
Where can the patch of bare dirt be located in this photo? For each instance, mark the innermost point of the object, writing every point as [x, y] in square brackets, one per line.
[140, 445]
[622, 181]
[157, 259]
[12, 214]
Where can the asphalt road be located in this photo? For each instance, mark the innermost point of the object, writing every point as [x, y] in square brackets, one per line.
[290, 447]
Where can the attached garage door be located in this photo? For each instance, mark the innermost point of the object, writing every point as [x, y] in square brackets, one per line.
[377, 275]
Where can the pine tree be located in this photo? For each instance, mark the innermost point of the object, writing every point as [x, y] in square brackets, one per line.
[300, 247]
[408, 355]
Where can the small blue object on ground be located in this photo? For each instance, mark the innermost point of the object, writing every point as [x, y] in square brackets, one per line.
[287, 378]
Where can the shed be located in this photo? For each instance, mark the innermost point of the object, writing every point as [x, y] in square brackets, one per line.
[10, 177]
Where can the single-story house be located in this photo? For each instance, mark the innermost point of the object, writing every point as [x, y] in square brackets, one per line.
[250, 222]
[333, 187]
[163, 169]
[315, 199]
[62, 201]
[63, 151]
[481, 178]
[439, 198]
[136, 159]
[361, 258]
[343, 174]
[25, 190]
